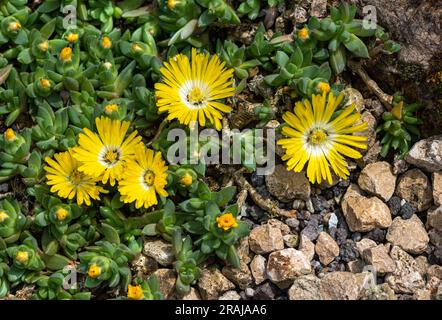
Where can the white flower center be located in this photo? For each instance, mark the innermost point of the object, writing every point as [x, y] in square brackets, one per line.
[109, 156]
[195, 94]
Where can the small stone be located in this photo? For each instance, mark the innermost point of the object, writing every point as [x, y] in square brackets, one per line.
[409, 234]
[312, 229]
[395, 205]
[414, 187]
[354, 96]
[285, 229]
[318, 8]
[285, 265]
[264, 239]
[339, 286]
[230, 295]
[249, 292]
[365, 244]
[376, 235]
[307, 247]
[427, 154]
[160, 250]
[265, 292]
[291, 240]
[305, 288]
[213, 283]
[434, 271]
[166, 279]
[437, 188]
[378, 179]
[434, 218]
[299, 15]
[242, 277]
[258, 268]
[379, 292]
[355, 266]
[406, 278]
[288, 185]
[400, 166]
[422, 265]
[364, 214]
[379, 258]
[326, 248]
[143, 265]
[407, 211]
[292, 223]
[348, 251]
[333, 221]
[193, 294]
[243, 250]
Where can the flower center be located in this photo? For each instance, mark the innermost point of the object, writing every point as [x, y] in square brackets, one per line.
[111, 157]
[75, 177]
[187, 180]
[61, 214]
[226, 221]
[149, 178]
[135, 292]
[94, 271]
[110, 108]
[317, 136]
[3, 216]
[195, 96]
[22, 256]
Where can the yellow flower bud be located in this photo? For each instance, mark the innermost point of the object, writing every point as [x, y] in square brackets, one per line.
[107, 65]
[106, 42]
[14, 26]
[323, 86]
[171, 4]
[61, 214]
[94, 271]
[44, 46]
[22, 256]
[10, 134]
[186, 180]
[226, 221]
[110, 108]
[3, 216]
[66, 54]
[136, 47]
[135, 292]
[45, 83]
[303, 34]
[72, 37]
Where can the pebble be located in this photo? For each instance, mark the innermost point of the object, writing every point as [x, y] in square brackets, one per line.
[407, 210]
[258, 268]
[265, 291]
[265, 239]
[285, 265]
[415, 188]
[305, 288]
[288, 185]
[378, 179]
[410, 235]
[437, 188]
[312, 230]
[326, 248]
[230, 295]
[395, 205]
[426, 154]
[213, 284]
[348, 251]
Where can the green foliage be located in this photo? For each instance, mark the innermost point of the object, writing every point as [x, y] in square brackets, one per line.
[12, 222]
[399, 128]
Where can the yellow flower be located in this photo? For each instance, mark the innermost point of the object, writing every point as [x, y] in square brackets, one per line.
[67, 181]
[226, 221]
[66, 54]
[104, 155]
[190, 89]
[397, 110]
[72, 37]
[45, 83]
[186, 180]
[14, 26]
[22, 256]
[136, 47]
[44, 46]
[144, 177]
[106, 42]
[316, 138]
[61, 214]
[10, 134]
[135, 292]
[3, 216]
[323, 87]
[303, 34]
[171, 4]
[110, 108]
[94, 271]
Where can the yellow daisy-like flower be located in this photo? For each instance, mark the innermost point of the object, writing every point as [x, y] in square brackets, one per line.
[94, 271]
[22, 256]
[72, 37]
[186, 180]
[66, 54]
[191, 88]
[106, 42]
[314, 136]
[303, 34]
[144, 177]
[104, 155]
[135, 292]
[61, 214]
[323, 87]
[226, 221]
[10, 134]
[67, 181]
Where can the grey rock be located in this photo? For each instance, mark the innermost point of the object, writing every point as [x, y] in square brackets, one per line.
[305, 288]
[159, 250]
[285, 265]
[288, 185]
[230, 295]
[414, 187]
[434, 218]
[213, 283]
[258, 268]
[427, 154]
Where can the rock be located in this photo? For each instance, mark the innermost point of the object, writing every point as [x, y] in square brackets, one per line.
[249, 292]
[265, 292]
[193, 294]
[400, 166]
[326, 248]
[377, 235]
[422, 265]
[427, 154]
[414, 187]
[378, 179]
[339, 286]
[318, 8]
[364, 214]
[166, 279]
[213, 283]
[312, 228]
[348, 251]
[379, 292]
[299, 15]
[264, 239]
[354, 96]
[305, 288]
[435, 237]
[370, 154]
[409, 234]
[160, 250]
[437, 188]
[288, 185]
[143, 265]
[285, 229]
[243, 250]
[355, 266]
[242, 277]
[291, 240]
[434, 271]
[407, 211]
[406, 278]
[394, 204]
[285, 265]
[434, 218]
[365, 244]
[292, 223]
[258, 268]
[230, 295]
[307, 247]
[379, 258]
